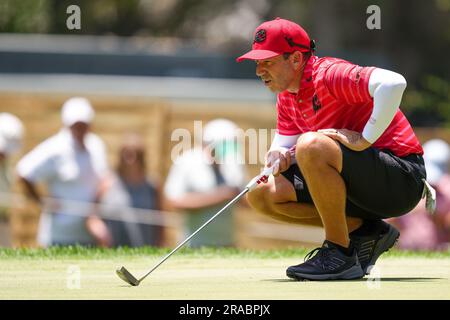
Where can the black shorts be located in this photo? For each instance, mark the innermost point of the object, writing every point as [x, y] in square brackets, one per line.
[379, 184]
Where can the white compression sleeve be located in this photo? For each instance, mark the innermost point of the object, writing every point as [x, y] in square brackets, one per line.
[281, 141]
[386, 88]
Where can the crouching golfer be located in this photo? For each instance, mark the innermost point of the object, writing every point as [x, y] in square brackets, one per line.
[357, 159]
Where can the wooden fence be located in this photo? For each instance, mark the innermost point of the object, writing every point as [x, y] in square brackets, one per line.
[155, 119]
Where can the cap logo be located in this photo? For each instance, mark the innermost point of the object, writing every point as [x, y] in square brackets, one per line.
[260, 36]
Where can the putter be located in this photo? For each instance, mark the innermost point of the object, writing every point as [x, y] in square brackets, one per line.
[126, 275]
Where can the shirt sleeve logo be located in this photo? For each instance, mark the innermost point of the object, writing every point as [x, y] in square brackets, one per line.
[260, 36]
[358, 74]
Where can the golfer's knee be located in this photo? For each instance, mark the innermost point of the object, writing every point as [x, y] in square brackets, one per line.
[258, 197]
[315, 148]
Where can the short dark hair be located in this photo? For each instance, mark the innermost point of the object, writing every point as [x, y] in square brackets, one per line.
[286, 55]
[306, 55]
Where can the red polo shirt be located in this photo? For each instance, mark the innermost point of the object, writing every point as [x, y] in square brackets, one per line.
[334, 93]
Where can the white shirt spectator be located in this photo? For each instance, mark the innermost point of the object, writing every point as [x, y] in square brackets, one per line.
[191, 172]
[11, 134]
[70, 173]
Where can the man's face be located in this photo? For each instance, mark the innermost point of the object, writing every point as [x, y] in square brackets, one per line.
[279, 74]
[79, 130]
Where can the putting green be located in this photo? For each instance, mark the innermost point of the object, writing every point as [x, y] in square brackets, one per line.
[215, 274]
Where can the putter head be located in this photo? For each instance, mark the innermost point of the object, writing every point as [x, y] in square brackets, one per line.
[126, 276]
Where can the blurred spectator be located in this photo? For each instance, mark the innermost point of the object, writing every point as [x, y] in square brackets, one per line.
[420, 230]
[11, 132]
[131, 189]
[202, 180]
[72, 164]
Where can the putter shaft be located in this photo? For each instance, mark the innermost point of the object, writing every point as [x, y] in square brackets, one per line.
[193, 234]
[132, 280]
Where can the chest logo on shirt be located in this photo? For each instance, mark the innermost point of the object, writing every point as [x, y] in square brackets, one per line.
[316, 103]
[260, 36]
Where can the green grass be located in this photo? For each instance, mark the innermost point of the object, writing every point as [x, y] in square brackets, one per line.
[210, 273]
[79, 252]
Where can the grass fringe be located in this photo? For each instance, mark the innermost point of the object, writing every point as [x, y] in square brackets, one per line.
[80, 252]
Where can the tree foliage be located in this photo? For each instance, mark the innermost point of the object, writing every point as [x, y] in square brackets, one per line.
[414, 39]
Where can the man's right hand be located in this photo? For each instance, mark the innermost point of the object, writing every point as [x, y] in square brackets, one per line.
[285, 160]
[99, 230]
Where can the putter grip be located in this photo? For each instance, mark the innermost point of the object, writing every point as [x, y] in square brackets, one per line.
[263, 175]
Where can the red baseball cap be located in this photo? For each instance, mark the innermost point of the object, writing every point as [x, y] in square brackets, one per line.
[276, 37]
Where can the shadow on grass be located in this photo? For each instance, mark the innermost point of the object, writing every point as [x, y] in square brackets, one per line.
[408, 279]
[383, 279]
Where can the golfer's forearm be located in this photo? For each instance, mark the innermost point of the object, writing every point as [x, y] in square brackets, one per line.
[386, 88]
[282, 141]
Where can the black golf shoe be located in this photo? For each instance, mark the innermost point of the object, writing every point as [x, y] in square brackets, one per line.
[327, 263]
[372, 240]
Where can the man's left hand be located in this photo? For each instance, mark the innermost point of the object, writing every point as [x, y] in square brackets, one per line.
[351, 139]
